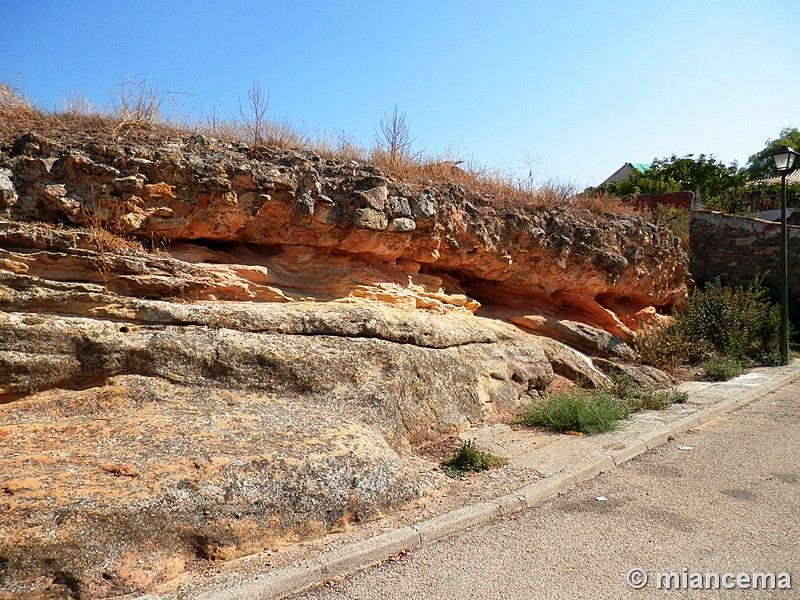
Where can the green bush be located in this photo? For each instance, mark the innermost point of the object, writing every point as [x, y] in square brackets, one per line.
[636, 397]
[668, 347]
[722, 368]
[770, 358]
[739, 322]
[470, 458]
[578, 410]
[598, 411]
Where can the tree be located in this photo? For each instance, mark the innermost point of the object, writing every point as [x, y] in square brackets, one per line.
[760, 164]
[721, 187]
[255, 121]
[394, 137]
[712, 180]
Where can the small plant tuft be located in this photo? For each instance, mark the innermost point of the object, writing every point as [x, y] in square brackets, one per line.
[660, 399]
[598, 411]
[579, 410]
[470, 458]
[636, 397]
[722, 368]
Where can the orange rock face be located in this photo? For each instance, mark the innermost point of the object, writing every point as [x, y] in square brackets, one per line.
[290, 225]
[205, 352]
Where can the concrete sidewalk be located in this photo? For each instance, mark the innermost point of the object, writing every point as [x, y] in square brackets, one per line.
[562, 464]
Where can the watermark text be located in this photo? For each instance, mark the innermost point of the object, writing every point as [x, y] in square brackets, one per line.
[691, 580]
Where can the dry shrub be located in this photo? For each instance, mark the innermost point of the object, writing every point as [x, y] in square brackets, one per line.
[108, 245]
[15, 109]
[78, 105]
[668, 347]
[255, 121]
[106, 235]
[137, 104]
[393, 139]
[601, 203]
[675, 219]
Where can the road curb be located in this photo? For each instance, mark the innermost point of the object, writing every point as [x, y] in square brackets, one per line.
[340, 562]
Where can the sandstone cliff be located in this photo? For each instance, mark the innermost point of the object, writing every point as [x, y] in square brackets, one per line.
[206, 349]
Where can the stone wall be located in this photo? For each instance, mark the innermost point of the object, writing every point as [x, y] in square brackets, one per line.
[737, 248]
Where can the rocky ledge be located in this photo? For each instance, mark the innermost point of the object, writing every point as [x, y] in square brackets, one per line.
[207, 350]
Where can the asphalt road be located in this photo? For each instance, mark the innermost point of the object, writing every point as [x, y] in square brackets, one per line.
[730, 504]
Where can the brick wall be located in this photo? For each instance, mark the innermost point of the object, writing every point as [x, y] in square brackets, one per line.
[673, 199]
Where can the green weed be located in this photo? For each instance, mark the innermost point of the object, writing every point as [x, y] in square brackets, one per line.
[636, 397]
[722, 368]
[598, 411]
[470, 458]
[660, 399]
[579, 410]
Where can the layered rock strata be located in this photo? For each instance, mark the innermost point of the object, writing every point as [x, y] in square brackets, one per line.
[206, 349]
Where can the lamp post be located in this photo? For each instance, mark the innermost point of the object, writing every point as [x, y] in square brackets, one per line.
[785, 161]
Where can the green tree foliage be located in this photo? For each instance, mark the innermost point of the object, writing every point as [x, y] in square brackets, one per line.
[712, 180]
[760, 164]
[721, 187]
[764, 197]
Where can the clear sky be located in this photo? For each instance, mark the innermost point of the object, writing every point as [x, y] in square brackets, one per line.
[580, 86]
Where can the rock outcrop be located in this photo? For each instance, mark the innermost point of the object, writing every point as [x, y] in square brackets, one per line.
[208, 349]
[304, 218]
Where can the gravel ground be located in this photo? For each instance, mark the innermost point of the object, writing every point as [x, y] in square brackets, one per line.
[722, 498]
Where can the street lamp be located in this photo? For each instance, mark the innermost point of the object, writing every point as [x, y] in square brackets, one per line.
[785, 161]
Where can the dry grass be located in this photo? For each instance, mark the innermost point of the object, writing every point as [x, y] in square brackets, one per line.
[15, 109]
[601, 203]
[340, 145]
[136, 110]
[77, 104]
[675, 219]
[137, 104]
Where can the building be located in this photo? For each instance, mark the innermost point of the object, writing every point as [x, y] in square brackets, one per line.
[764, 196]
[792, 178]
[624, 171]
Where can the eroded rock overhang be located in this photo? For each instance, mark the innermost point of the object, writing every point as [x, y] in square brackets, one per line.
[282, 225]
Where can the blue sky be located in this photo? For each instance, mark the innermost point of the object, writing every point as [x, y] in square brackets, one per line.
[578, 87]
